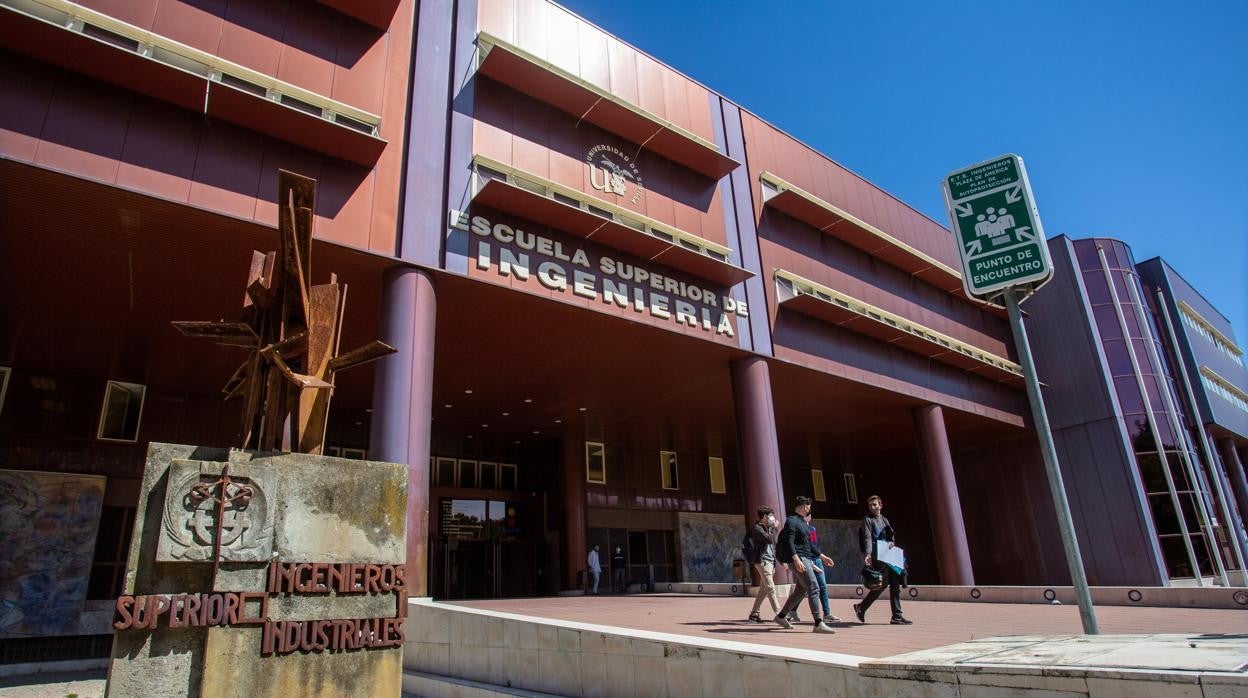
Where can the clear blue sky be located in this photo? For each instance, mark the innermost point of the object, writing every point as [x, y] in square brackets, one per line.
[1132, 116]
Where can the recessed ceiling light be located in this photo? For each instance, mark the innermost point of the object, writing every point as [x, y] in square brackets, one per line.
[558, 421]
[581, 409]
[447, 405]
[486, 426]
[516, 441]
[368, 410]
[528, 399]
[536, 431]
[468, 391]
[506, 414]
[359, 424]
[470, 436]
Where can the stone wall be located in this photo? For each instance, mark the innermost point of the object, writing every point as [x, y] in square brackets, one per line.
[302, 509]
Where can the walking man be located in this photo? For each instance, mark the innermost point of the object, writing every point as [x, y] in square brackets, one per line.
[763, 534]
[822, 569]
[618, 567]
[794, 546]
[876, 529]
[595, 568]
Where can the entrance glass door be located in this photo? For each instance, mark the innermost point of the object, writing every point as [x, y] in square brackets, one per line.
[470, 570]
[480, 552]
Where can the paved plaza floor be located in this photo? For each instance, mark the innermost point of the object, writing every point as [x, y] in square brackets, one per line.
[936, 623]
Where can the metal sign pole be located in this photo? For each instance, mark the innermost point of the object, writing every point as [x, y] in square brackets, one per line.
[1056, 488]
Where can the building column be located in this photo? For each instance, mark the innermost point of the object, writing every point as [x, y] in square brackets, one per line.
[1234, 468]
[403, 400]
[953, 557]
[756, 436]
[573, 477]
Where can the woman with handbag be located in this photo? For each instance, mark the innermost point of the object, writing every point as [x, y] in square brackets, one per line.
[875, 574]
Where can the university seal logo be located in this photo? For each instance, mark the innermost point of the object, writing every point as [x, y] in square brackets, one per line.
[614, 172]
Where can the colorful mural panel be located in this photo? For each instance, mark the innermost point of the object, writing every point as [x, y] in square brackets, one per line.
[48, 524]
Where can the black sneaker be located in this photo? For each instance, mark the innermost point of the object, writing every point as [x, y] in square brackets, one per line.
[901, 620]
[862, 615]
[784, 622]
[754, 618]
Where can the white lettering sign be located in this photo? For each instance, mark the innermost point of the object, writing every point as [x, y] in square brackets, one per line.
[615, 282]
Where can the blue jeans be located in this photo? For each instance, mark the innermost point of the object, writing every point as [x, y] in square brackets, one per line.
[823, 587]
[596, 574]
[806, 584]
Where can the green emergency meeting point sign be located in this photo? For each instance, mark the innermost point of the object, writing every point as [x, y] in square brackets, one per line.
[994, 218]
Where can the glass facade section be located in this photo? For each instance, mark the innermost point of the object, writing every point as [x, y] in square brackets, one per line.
[1148, 425]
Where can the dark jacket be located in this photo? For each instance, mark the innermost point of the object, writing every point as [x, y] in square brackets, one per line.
[762, 536]
[866, 539]
[795, 539]
[618, 562]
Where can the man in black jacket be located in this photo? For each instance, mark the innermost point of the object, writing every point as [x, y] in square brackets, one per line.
[763, 535]
[876, 528]
[794, 546]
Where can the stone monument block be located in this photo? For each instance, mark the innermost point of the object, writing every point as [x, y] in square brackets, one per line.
[263, 574]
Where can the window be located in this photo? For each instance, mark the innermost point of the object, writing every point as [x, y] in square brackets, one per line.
[718, 486]
[816, 483]
[489, 475]
[468, 473]
[506, 476]
[667, 466]
[4, 384]
[119, 416]
[595, 463]
[112, 547]
[333, 451]
[851, 488]
[445, 473]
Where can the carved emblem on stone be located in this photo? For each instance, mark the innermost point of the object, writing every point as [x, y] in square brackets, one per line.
[202, 503]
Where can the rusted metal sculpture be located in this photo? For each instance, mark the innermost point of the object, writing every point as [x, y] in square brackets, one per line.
[292, 332]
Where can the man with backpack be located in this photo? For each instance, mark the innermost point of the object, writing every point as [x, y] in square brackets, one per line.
[759, 548]
[795, 547]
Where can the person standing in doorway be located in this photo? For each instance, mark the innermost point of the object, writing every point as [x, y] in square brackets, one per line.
[794, 546]
[875, 530]
[619, 566]
[595, 568]
[763, 554]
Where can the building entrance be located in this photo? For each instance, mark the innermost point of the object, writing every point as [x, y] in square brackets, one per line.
[481, 552]
[486, 569]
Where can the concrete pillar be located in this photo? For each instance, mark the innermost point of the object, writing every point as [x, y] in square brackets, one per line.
[573, 478]
[953, 556]
[756, 436]
[403, 400]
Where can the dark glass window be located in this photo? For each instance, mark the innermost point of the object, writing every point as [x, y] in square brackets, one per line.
[489, 475]
[112, 546]
[506, 476]
[1164, 517]
[1151, 474]
[1098, 289]
[1129, 399]
[1117, 358]
[655, 548]
[1175, 555]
